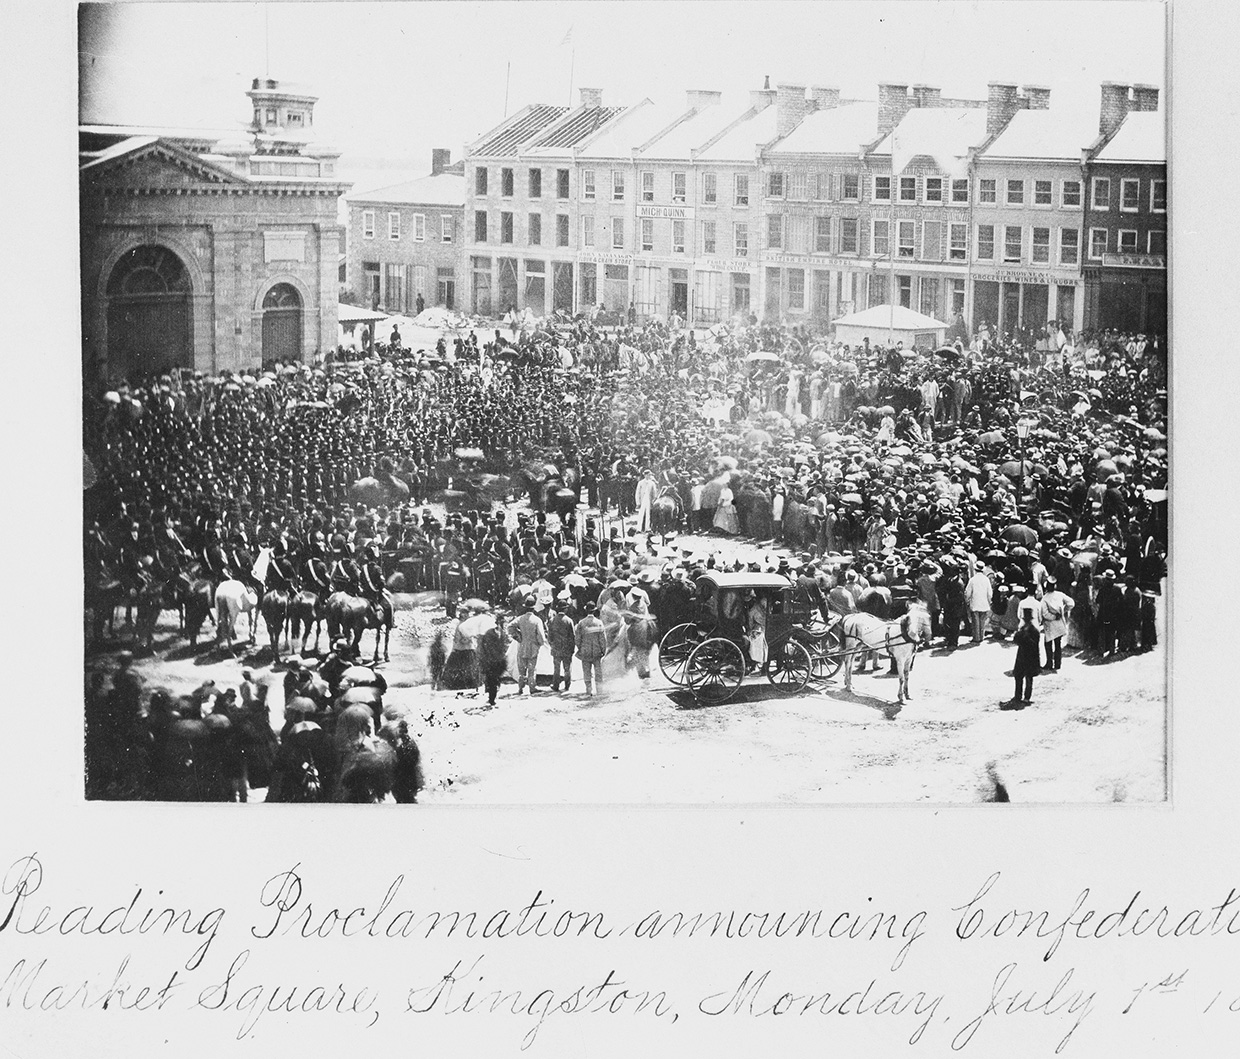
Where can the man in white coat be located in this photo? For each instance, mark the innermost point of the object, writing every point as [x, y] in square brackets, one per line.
[1056, 609]
[644, 495]
[977, 593]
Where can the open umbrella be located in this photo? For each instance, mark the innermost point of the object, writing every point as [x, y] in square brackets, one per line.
[469, 453]
[476, 624]
[886, 410]
[763, 355]
[758, 437]
[1025, 535]
[474, 603]
[851, 498]
[990, 439]
[359, 677]
[1156, 496]
[950, 352]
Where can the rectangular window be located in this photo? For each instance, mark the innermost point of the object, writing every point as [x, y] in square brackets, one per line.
[1012, 239]
[741, 190]
[906, 290]
[959, 248]
[796, 288]
[908, 189]
[535, 183]
[848, 235]
[561, 183]
[1041, 246]
[774, 231]
[679, 187]
[535, 229]
[1069, 246]
[505, 227]
[1043, 193]
[960, 192]
[447, 227]
[882, 189]
[419, 227]
[710, 189]
[822, 186]
[1097, 242]
[1157, 243]
[907, 232]
[985, 242]
[740, 240]
[879, 244]
[1070, 195]
[775, 185]
[1100, 193]
[561, 229]
[822, 235]
[708, 237]
[957, 296]
[617, 185]
[393, 287]
[647, 187]
[587, 231]
[480, 181]
[617, 233]
[507, 184]
[1129, 195]
[394, 225]
[934, 189]
[850, 187]
[986, 192]
[796, 234]
[678, 237]
[368, 224]
[587, 184]
[1015, 192]
[480, 226]
[1127, 241]
[1158, 196]
[798, 185]
[931, 241]
[646, 232]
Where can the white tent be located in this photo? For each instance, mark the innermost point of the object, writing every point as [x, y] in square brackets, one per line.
[884, 324]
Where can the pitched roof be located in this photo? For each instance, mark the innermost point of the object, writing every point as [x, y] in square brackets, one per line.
[1142, 138]
[512, 134]
[636, 126]
[136, 147]
[740, 144]
[839, 130]
[575, 127]
[439, 189]
[1044, 135]
[898, 317]
[688, 135]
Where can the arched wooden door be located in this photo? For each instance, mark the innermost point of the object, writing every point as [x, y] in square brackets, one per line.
[148, 303]
[282, 324]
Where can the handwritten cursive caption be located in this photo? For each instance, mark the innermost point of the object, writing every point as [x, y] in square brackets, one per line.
[145, 952]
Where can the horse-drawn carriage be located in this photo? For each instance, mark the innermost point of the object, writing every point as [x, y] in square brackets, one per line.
[748, 621]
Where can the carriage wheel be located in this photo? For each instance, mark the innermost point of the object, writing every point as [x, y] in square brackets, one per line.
[715, 670]
[828, 653]
[674, 651]
[790, 666]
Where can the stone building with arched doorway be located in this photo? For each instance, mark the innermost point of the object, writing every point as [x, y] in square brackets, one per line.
[209, 250]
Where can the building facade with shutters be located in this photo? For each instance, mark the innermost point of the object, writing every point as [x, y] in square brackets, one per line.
[405, 241]
[1125, 217]
[209, 250]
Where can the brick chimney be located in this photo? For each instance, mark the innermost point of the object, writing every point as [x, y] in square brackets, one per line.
[1002, 103]
[761, 98]
[789, 108]
[700, 98]
[824, 97]
[1114, 108]
[893, 103]
[441, 158]
[1144, 97]
[591, 97]
[1037, 97]
[926, 96]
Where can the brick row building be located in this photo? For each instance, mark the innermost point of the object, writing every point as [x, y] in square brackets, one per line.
[802, 206]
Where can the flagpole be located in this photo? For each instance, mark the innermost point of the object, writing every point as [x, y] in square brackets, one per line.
[572, 62]
[507, 80]
[892, 230]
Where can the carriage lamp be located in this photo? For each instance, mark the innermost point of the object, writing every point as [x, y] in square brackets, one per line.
[1022, 432]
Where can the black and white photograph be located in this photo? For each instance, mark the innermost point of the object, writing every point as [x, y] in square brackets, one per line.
[625, 404]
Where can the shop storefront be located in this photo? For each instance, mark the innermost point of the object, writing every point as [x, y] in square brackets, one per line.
[1012, 300]
[1127, 293]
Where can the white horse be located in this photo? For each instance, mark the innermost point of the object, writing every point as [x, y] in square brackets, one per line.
[232, 599]
[899, 639]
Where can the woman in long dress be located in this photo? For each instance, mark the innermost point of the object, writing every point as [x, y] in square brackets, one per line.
[725, 514]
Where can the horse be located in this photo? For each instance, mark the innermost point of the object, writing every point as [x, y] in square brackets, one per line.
[350, 616]
[304, 610]
[274, 607]
[388, 491]
[193, 597]
[104, 593]
[899, 639]
[149, 602]
[232, 599]
[666, 511]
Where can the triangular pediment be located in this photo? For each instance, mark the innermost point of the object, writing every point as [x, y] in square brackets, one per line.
[157, 165]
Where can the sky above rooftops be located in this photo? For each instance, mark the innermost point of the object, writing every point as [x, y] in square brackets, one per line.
[396, 80]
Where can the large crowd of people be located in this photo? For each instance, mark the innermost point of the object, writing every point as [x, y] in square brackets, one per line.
[555, 473]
